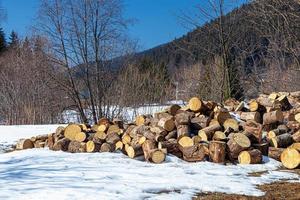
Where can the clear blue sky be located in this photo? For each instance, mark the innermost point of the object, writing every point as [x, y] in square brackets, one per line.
[156, 19]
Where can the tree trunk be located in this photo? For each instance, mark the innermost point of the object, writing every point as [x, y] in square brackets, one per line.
[217, 151]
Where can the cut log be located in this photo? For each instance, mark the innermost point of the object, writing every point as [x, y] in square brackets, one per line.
[284, 102]
[275, 132]
[166, 123]
[100, 135]
[118, 122]
[263, 147]
[171, 146]
[140, 120]
[209, 131]
[114, 129]
[297, 117]
[293, 125]
[240, 107]
[157, 156]
[236, 144]
[275, 153]
[273, 96]
[290, 158]
[253, 116]
[221, 115]
[200, 122]
[158, 131]
[102, 127]
[39, 137]
[50, 140]
[74, 147]
[196, 139]
[265, 101]
[183, 130]
[231, 123]
[172, 134]
[253, 130]
[296, 136]
[134, 151]
[250, 157]
[112, 138]
[24, 144]
[272, 117]
[195, 104]
[61, 145]
[119, 146]
[217, 151]
[219, 136]
[147, 146]
[213, 122]
[103, 121]
[81, 137]
[185, 141]
[172, 110]
[194, 153]
[295, 146]
[92, 147]
[182, 118]
[126, 139]
[282, 141]
[107, 147]
[71, 131]
[255, 106]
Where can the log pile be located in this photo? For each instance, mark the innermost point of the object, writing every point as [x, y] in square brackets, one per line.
[233, 132]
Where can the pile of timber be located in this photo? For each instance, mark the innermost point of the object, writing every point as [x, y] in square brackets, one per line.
[233, 132]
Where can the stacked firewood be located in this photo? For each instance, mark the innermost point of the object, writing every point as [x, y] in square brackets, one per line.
[233, 132]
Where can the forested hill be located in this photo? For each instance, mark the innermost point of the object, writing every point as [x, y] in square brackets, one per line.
[251, 32]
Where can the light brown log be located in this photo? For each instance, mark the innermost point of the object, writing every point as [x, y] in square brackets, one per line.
[138, 130]
[114, 129]
[147, 146]
[275, 132]
[263, 147]
[102, 127]
[185, 141]
[250, 157]
[213, 122]
[134, 151]
[209, 131]
[171, 146]
[71, 131]
[219, 136]
[39, 137]
[61, 145]
[50, 140]
[107, 147]
[281, 141]
[290, 158]
[126, 139]
[275, 153]
[81, 137]
[160, 115]
[196, 139]
[295, 146]
[253, 116]
[253, 130]
[39, 144]
[231, 123]
[167, 124]
[200, 122]
[217, 151]
[296, 136]
[100, 135]
[265, 101]
[195, 104]
[119, 146]
[140, 120]
[273, 96]
[92, 147]
[272, 117]
[297, 117]
[236, 144]
[293, 125]
[157, 156]
[255, 106]
[158, 131]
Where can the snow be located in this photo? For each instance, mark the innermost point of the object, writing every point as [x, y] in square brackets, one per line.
[44, 174]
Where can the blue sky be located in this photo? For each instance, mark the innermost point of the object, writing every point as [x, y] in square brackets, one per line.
[156, 20]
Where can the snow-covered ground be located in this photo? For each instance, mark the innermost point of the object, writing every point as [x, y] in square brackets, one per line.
[44, 174]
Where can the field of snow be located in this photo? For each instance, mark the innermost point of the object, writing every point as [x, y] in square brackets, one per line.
[44, 174]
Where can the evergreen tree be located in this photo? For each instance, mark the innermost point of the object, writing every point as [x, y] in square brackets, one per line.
[2, 41]
[14, 39]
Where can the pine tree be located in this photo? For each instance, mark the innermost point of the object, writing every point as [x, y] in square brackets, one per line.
[14, 39]
[2, 41]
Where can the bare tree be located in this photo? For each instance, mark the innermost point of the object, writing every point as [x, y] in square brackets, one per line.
[86, 36]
